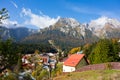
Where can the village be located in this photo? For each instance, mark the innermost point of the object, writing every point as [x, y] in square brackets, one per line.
[51, 65]
[42, 66]
[29, 63]
[49, 61]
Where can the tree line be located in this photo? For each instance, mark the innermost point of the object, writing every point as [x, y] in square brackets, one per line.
[105, 50]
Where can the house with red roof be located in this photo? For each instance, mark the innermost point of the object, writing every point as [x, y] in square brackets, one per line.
[74, 62]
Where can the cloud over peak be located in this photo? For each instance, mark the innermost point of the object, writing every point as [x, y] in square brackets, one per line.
[40, 21]
[10, 24]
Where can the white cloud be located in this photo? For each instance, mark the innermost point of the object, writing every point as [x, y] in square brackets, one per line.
[10, 24]
[15, 5]
[40, 21]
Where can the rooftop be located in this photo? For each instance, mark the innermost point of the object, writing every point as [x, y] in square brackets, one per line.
[73, 60]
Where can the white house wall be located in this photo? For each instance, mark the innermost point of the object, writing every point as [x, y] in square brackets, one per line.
[68, 68]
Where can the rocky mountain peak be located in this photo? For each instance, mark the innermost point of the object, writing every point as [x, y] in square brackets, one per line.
[102, 25]
[68, 22]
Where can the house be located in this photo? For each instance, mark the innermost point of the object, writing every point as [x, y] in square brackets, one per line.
[119, 54]
[46, 60]
[25, 59]
[26, 63]
[50, 60]
[74, 62]
[118, 41]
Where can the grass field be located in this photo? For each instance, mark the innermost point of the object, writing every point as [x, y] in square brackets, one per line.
[91, 75]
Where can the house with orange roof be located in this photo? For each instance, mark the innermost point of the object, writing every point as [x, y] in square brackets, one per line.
[74, 62]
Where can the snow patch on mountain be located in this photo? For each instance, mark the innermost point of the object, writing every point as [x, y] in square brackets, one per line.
[97, 24]
[82, 30]
[100, 25]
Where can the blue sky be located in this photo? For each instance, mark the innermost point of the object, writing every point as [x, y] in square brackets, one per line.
[42, 13]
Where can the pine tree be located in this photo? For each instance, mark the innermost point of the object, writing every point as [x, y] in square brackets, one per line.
[3, 14]
[8, 54]
[100, 53]
[115, 49]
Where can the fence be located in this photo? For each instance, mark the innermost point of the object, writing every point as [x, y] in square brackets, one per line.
[103, 66]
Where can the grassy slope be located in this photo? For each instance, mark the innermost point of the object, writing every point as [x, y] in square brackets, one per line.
[91, 75]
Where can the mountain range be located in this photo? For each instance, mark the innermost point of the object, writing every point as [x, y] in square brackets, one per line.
[66, 31]
[17, 34]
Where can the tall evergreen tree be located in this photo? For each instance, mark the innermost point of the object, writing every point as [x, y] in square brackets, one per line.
[100, 52]
[115, 51]
[8, 55]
